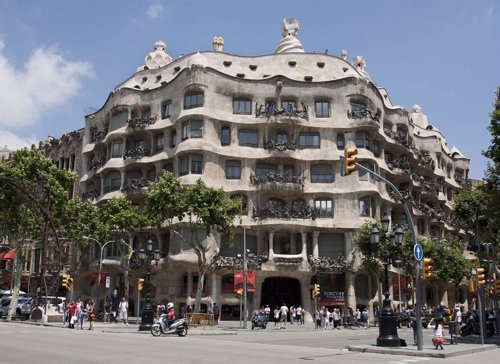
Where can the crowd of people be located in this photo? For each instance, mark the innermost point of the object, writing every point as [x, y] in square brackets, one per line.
[78, 311]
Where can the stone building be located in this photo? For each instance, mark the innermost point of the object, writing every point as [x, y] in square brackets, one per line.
[270, 130]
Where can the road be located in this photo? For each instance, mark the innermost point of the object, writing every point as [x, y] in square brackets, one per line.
[21, 343]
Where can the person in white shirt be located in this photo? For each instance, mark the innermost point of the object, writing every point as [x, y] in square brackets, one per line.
[123, 310]
[283, 316]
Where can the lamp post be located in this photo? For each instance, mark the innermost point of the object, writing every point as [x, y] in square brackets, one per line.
[147, 259]
[388, 332]
[102, 246]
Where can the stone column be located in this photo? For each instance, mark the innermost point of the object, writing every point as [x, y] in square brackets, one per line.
[122, 182]
[304, 246]
[215, 290]
[315, 251]
[271, 245]
[350, 292]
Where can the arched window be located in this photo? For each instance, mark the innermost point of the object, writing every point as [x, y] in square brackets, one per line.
[193, 99]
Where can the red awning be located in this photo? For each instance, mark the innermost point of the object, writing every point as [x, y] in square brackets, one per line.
[10, 254]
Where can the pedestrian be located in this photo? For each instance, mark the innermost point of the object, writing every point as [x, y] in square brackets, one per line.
[438, 338]
[276, 316]
[107, 311]
[283, 315]
[298, 315]
[302, 314]
[413, 323]
[317, 319]
[71, 314]
[293, 315]
[358, 317]
[90, 314]
[216, 313]
[376, 315]
[365, 318]
[80, 313]
[267, 311]
[336, 319]
[123, 311]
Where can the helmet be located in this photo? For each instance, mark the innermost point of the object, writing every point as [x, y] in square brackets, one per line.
[170, 305]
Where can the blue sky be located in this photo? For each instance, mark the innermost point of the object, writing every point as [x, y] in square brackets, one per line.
[58, 58]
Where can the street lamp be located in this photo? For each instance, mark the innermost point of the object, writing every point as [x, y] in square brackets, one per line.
[147, 259]
[388, 332]
[246, 254]
[102, 246]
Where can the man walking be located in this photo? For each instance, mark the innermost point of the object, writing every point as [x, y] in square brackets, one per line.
[283, 316]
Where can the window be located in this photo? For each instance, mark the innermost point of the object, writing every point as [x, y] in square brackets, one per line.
[281, 137]
[233, 169]
[242, 106]
[262, 169]
[225, 135]
[357, 108]
[192, 129]
[322, 109]
[270, 105]
[376, 149]
[277, 204]
[308, 140]
[288, 105]
[366, 207]
[160, 142]
[248, 138]
[340, 141]
[363, 175]
[362, 139]
[166, 110]
[173, 139]
[323, 207]
[321, 173]
[192, 163]
[117, 148]
[193, 100]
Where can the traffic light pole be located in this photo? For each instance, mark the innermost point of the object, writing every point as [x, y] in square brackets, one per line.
[418, 305]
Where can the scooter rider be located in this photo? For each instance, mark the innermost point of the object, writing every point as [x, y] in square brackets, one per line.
[170, 315]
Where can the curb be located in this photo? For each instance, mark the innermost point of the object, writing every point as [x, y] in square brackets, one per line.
[429, 353]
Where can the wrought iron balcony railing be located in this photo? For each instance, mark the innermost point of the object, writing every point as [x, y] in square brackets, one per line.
[91, 195]
[266, 111]
[280, 145]
[97, 163]
[134, 184]
[141, 122]
[270, 177]
[134, 153]
[363, 113]
[99, 136]
[270, 212]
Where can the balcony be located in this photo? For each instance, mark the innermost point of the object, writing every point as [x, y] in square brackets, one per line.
[398, 137]
[137, 152]
[363, 114]
[330, 265]
[97, 163]
[141, 122]
[99, 136]
[425, 159]
[132, 184]
[278, 181]
[274, 212]
[266, 111]
[91, 195]
[235, 263]
[280, 145]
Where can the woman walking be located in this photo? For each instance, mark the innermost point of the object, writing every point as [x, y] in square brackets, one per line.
[91, 314]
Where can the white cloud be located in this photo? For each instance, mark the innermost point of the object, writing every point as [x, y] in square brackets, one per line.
[154, 11]
[14, 142]
[47, 81]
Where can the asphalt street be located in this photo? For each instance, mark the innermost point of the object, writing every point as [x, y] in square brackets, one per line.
[25, 343]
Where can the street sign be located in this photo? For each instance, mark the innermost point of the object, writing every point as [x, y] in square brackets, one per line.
[108, 281]
[418, 252]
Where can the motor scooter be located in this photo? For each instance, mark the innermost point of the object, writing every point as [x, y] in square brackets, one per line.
[178, 327]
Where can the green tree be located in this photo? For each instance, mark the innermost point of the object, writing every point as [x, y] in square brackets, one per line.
[492, 179]
[206, 211]
[33, 191]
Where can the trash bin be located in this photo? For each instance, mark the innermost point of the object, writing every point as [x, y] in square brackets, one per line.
[454, 329]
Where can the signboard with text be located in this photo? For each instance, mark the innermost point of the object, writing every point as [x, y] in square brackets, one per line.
[238, 280]
[332, 289]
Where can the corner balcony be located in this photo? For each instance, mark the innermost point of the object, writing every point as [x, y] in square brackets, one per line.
[274, 212]
[270, 110]
[141, 122]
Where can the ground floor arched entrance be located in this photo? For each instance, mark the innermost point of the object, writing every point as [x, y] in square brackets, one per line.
[279, 290]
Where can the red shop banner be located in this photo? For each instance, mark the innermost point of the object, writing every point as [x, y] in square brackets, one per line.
[238, 280]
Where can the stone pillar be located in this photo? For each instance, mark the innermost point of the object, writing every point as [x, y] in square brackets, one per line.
[122, 177]
[102, 185]
[304, 247]
[315, 251]
[350, 292]
[271, 245]
[215, 290]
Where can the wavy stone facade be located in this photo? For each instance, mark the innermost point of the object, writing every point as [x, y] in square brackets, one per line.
[271, 130]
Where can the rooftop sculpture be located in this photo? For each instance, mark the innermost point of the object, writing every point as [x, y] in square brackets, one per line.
[289, 43]
[157, 58]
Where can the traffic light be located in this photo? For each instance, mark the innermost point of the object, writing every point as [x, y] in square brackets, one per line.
[239, 292]
[350, 160]
[67, 282]
[409, 283]
[140, 284]
[491, 292]
[427, 268]
[316, 291]
[481, 280]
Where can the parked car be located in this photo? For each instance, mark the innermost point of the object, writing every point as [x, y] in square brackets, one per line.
[25, 307]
